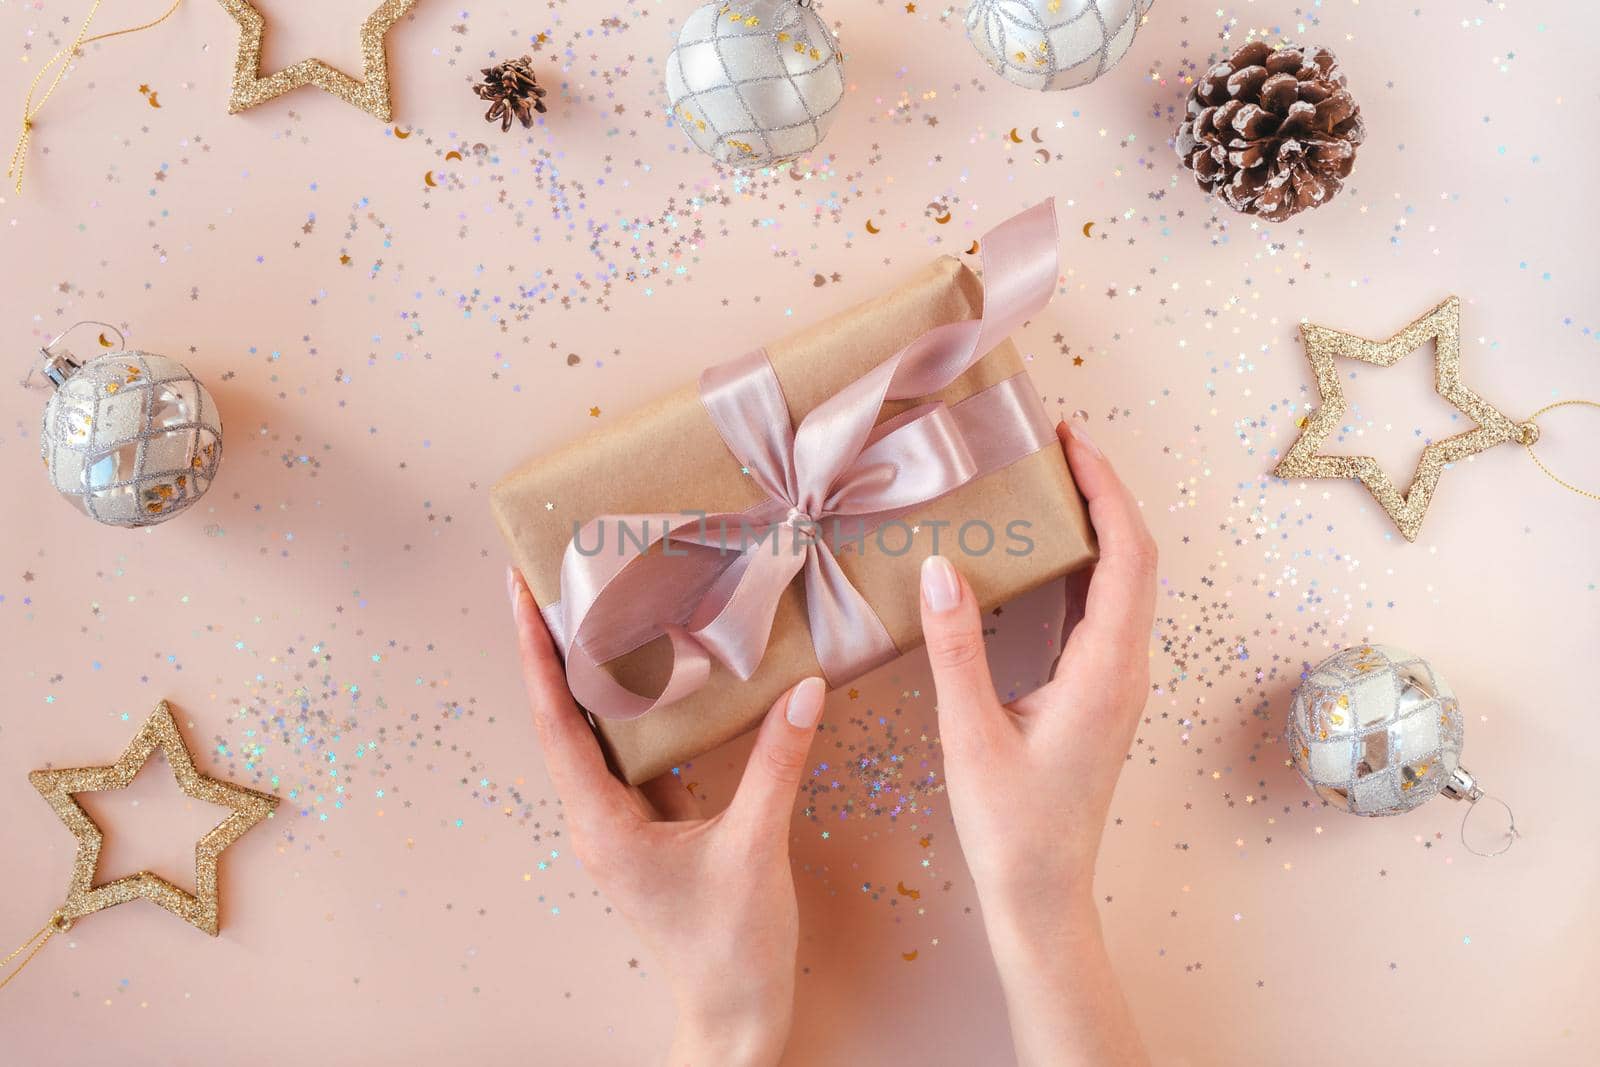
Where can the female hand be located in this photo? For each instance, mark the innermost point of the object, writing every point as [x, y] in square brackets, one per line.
[712, 898]
[1030, 784]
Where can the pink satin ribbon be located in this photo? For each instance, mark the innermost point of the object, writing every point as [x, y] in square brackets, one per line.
[714, 589]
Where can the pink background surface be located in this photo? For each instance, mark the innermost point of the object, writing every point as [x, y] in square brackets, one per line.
[330, 621]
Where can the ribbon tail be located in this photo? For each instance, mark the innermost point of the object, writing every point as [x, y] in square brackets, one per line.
[746, 403]
[1020, 270]
[847, 634]
[734, 621]
[1020, 266]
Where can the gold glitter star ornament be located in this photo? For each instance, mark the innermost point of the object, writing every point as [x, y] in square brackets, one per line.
[1442, 325]
[370, 94]
[200, 907]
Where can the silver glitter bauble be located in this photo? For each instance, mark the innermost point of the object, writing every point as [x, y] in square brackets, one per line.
[1053, 44]
[1376, 731]
[131, 438]
[755, 83]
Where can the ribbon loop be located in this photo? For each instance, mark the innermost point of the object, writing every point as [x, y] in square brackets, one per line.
[719, 600]
[923, 457]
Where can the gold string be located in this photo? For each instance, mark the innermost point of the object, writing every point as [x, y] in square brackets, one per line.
[57, 924]
[1534, 456]
[30, 110]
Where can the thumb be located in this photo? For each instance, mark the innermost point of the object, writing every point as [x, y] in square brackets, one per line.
[954, 635]
[765, 799]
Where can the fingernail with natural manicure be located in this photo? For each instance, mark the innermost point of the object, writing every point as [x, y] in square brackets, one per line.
[511, 591]
[940, 586]
[1081, 435]
[805, 704]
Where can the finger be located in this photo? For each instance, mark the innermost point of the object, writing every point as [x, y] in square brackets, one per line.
[953, 632]
[1121, 603]
[765, 798]
[570, 750]
[669, 795]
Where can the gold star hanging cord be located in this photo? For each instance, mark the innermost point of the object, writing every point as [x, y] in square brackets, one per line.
[32, 107]
[370, 94]
[200, 907]
[1443, 325]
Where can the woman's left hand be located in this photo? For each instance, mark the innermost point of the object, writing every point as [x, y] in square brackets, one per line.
[712, 898]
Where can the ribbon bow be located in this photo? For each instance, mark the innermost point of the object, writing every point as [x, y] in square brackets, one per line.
[716, 596]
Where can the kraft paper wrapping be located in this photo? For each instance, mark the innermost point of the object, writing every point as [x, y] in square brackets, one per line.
[669, 458]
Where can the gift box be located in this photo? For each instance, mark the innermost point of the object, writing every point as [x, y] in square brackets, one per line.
[1002, 507]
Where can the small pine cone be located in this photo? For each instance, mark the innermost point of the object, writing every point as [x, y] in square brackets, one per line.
[1271, 131]
[513, 92]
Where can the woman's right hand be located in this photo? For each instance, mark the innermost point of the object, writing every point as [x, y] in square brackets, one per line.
[1030, 784]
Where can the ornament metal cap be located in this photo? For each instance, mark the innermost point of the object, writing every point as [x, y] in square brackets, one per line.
[1462, 786]
[59, 363]
[59, 366]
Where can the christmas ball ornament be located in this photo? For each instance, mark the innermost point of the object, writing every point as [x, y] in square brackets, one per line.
[131, 438]
[1271, 131]
[1053, 44]
[755, 83]
[1376, 730]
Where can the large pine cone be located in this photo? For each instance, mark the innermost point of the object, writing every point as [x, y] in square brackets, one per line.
[1271, 131]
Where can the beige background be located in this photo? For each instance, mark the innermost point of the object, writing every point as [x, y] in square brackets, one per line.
[330, 622]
